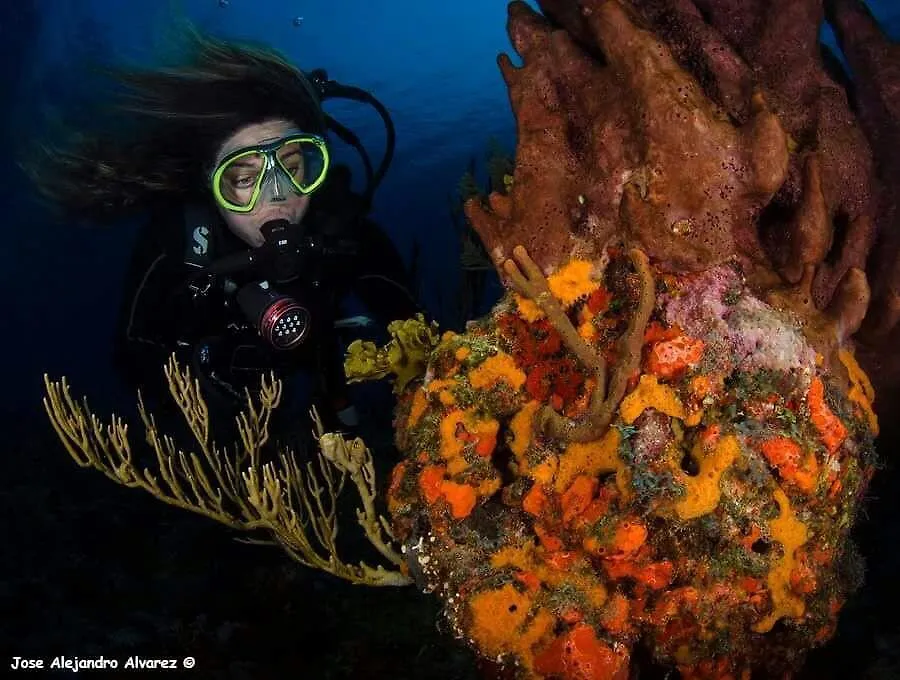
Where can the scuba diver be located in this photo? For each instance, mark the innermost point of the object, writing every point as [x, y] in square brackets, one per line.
[255, 240]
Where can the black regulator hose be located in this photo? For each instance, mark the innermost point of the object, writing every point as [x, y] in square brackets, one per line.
[330, 89]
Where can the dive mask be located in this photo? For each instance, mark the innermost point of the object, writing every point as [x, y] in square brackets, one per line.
[295, 163]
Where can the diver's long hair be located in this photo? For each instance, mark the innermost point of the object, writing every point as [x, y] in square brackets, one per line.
[167, 125]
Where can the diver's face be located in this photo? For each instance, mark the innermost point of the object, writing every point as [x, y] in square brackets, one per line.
[289, 205]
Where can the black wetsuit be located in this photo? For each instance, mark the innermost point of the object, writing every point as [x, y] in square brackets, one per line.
[163, 313]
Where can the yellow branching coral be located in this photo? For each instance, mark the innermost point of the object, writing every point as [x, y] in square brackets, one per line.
[297, 508]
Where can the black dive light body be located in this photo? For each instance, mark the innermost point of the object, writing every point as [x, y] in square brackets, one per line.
[286, 254]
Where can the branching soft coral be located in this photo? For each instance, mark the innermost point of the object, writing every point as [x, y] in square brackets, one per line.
[295, 506]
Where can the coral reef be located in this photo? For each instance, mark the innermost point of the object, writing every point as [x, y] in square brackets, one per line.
[660, 439]
[689, 499]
